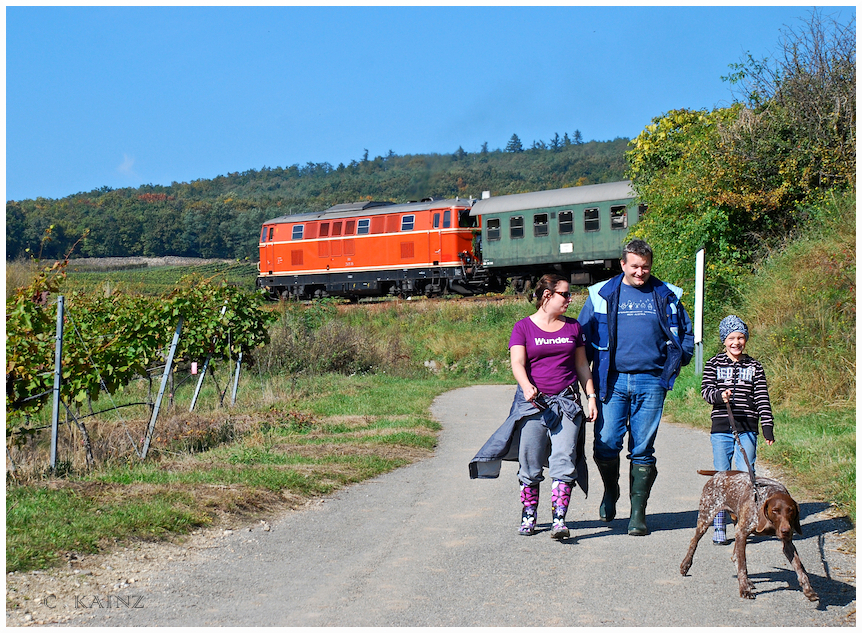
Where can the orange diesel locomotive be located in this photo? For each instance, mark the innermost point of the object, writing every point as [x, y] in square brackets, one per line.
[370, 249]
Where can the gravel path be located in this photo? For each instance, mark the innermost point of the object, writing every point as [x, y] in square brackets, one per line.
[427, 546]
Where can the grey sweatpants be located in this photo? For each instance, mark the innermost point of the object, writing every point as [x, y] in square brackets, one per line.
[547, 439]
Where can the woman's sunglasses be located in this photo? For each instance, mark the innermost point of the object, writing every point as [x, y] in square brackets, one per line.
[565, 295]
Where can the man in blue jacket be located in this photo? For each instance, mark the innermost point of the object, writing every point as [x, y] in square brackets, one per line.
[639, 337]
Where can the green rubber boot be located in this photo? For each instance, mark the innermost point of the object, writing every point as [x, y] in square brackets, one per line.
[641, 479]
[610, 472]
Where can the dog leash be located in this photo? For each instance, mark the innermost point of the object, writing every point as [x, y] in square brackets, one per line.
[741, 449]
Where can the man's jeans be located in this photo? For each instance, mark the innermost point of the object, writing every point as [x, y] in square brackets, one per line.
[636, 404]
[723, 446]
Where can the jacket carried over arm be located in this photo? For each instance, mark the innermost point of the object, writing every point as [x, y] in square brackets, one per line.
[598, 317]
[503, 444]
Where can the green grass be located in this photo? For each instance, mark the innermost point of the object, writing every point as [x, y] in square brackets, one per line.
[42, 523]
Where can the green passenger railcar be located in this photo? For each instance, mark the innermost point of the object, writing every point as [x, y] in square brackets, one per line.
[577, 232]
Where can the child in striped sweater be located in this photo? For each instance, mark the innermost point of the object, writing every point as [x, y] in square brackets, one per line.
[733, 376]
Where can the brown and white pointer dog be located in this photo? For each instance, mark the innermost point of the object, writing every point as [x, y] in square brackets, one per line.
[775, 513]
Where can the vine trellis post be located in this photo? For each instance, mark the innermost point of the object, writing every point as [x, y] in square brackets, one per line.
[204, 372]
[236, 378]
[58, 379]
[168, 366]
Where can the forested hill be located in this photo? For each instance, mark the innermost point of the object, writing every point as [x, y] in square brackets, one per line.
[221, 217]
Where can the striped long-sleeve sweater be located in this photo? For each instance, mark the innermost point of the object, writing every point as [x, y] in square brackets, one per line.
[750, 399]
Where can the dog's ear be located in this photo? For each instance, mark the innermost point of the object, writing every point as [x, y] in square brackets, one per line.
[763, 520]
[796, 525]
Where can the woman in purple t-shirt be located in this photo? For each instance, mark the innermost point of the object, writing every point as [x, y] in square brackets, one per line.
[548, 361]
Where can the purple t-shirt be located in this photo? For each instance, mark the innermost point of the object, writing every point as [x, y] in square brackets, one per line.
[550, 355]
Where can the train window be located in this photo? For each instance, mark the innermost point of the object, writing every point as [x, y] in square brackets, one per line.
[271, 231]
[619, 217]
[516, 227]
[591, 219]
[447, 219]
[263, 235]
[494, 229]
[566, 223]
[324, 229]
[350, 227]
[436, 220]
[297, 232]
[363, 226]
[336, 228]
[642, 210]
[407, 222]
[466, 221]
[540, 225]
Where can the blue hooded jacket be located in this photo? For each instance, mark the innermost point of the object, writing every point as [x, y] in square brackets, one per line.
[598, 318]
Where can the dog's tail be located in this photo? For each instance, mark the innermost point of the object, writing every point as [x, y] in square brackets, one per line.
[710, 473]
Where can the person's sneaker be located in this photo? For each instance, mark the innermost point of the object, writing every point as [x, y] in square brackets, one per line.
[559, 529]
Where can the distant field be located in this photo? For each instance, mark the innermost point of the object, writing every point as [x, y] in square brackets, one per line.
[153, 276]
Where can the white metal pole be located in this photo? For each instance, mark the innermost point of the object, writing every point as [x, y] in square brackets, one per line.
[698, 312]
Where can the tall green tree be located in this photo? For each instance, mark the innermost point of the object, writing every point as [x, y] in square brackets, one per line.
[514, 144]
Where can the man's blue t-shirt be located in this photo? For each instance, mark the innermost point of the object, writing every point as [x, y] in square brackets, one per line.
[641, 344]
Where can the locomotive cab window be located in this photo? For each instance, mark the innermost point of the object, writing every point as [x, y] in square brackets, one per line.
[494, 230]
[363, 226]
[540, 225]
[263, 235]
[407, 222]
[447, 219]
[466, 221]
[619, 217]
[591, 219]
[271, 231]
[436, 220]
[516, 227]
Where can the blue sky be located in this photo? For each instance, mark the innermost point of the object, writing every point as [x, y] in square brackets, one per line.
[123, 96]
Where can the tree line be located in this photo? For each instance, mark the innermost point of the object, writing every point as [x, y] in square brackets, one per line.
[221, 217]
